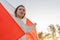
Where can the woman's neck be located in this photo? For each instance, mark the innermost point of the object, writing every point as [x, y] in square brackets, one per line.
[19, 17]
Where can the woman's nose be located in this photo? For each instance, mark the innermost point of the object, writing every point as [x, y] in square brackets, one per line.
[21, 10]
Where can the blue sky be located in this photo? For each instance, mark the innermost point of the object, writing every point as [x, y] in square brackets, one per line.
[43, 12]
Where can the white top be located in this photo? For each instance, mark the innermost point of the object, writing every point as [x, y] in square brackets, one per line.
[24, 20]
[23, 26]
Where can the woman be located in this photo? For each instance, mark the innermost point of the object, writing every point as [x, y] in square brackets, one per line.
[20, 13]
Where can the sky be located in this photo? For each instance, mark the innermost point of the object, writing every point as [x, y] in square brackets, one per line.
[42, 12]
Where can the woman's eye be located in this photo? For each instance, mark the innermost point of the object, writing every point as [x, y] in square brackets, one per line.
[23, 9]
[19, 9]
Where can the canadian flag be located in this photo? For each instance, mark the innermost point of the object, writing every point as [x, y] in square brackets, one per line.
[9, 29]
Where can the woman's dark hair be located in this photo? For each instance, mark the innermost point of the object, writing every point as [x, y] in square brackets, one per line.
[17, 9]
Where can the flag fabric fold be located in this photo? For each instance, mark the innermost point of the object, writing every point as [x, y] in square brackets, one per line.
[33, 34]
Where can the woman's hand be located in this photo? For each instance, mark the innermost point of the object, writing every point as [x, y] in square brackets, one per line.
[34, 24]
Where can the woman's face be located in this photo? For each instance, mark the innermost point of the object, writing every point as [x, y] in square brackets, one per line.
[21, 12]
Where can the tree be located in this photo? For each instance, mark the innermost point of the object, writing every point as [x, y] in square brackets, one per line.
[58, 27]
[40, 35]
[53, 30]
